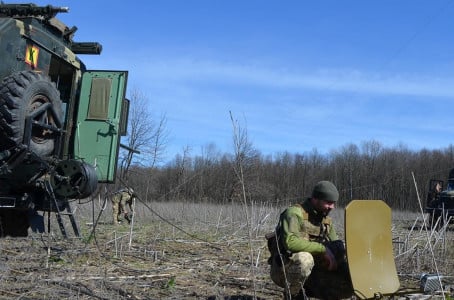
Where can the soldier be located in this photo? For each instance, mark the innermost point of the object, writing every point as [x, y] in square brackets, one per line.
[433, 196]
[307, 258]
[119, 201]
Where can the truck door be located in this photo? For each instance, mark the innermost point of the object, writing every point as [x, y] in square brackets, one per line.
[99, 117]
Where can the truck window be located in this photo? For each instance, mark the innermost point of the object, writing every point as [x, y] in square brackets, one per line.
[98, 108]
[450, 186]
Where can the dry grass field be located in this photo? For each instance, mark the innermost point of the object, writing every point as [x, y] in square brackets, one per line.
[181, 251]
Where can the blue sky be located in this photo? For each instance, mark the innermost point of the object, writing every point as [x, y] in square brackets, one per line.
[299, 75]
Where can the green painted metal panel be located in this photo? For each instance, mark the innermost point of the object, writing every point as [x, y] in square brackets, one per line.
[98, 121]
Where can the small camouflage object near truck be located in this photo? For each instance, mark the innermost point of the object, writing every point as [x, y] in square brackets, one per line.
[60, 124]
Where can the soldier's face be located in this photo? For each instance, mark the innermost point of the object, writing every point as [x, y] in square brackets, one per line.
[324, 206]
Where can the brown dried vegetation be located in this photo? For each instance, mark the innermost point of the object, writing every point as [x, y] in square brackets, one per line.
[203, 254]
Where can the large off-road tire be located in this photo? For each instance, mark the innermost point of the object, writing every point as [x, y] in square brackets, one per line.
[20, 95]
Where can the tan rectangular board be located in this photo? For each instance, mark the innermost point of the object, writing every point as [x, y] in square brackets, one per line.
[370, 254]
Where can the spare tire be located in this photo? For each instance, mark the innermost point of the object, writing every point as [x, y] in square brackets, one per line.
[20, 95]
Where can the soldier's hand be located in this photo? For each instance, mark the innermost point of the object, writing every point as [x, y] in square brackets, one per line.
[329, 260]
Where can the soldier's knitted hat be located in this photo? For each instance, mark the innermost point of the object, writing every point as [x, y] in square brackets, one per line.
[325, 190]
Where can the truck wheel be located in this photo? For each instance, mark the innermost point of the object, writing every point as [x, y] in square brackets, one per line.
[20, 95]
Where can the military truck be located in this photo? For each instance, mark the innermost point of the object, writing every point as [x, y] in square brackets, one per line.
[440, 201]
[60, 124]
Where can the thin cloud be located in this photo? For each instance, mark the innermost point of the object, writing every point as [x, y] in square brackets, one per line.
[342, 81]
[290, 111]
[163, 71]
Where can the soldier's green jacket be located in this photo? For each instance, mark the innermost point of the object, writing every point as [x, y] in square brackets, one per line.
[303, 231]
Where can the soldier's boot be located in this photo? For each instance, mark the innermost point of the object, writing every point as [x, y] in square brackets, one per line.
[128, 217]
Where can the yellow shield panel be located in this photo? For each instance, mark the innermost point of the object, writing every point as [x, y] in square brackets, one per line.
[370, 254]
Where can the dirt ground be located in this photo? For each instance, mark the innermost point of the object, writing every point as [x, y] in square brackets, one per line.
[160, 261]
[153, 267]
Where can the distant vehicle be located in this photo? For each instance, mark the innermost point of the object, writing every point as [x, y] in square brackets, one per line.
[60, 124]
[440, 201]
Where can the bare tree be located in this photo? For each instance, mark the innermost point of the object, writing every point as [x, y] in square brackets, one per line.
[146, 134]
[244, 154]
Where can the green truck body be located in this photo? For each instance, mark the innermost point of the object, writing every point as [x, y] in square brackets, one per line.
[60, 124]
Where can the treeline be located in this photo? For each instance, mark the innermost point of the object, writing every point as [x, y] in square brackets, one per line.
[365, 171]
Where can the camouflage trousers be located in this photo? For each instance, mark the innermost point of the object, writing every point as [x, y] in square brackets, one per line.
[119, 202]
[299, 273]
[291, 273]
[116, 211]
